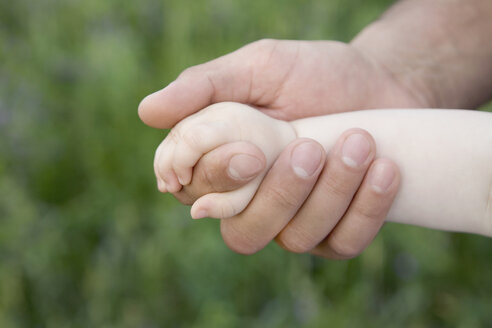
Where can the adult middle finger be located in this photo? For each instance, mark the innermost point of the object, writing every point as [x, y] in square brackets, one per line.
[345, 168]
[282, 192]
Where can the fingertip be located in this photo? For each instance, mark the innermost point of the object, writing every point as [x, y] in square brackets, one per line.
[199, 214]
[145, 109]
[358, 148]
[198, 211]
[383, 175]
[172, 183]
[161, 185]
[152, 109]
[307, 158]
[224, 205]
[174, 188]
[185, 176]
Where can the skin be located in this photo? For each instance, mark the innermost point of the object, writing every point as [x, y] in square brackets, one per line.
[408, 58]
[276, 199]
[277, 104]
[441, 190]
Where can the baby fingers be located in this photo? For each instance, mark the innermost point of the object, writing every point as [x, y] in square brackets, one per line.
[167, 180]
[194, 143]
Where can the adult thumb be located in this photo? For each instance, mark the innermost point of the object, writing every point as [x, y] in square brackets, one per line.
[227, 78]
[226, 168]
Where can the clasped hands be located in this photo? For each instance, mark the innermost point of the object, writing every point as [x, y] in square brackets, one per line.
[308, 201]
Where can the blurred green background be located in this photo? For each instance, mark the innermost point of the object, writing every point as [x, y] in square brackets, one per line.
[87, 241]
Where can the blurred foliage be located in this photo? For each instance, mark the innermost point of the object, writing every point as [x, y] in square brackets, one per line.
[87, 241]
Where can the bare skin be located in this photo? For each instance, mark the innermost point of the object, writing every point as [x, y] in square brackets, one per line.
[419, 54]
[273, 76]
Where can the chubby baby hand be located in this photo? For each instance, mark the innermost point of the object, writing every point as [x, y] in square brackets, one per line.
[202, 132]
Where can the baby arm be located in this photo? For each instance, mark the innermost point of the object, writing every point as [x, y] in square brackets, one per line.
[444, 156]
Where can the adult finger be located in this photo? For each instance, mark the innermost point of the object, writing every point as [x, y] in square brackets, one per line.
[366, 214]
[227, 78]
[282, 192]
[344, 170]
[225, 168]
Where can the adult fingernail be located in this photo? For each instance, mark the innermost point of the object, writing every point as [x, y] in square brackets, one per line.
[306, 158]
[381, 176]
[355, 150]
[244, 166]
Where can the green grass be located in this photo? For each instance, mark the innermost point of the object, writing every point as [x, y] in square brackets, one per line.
[87, 241]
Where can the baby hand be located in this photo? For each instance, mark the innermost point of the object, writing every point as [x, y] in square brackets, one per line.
[200, 133]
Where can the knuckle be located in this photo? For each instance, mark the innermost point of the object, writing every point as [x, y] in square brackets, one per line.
[334, 186]
[202, 72]
[159, 167]
[262, 50]
[282, 198]
[157, 158]
[238, 241]
[343, 249]
[369, 211]
[174, 135]
[189, 71]
[295, 241]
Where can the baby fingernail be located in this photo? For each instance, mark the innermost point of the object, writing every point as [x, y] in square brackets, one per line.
[243, 166]
[355, 150]
[381, 176]
[306, 158]
[161, 185]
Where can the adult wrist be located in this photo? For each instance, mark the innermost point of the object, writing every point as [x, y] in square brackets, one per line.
[379, 44]
[437, 50]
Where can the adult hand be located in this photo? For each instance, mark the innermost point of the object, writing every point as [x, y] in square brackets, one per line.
[276, 73]
[418, 54]
[339, 219]
[285, 79]
[385, 66]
